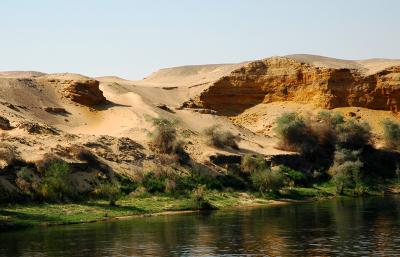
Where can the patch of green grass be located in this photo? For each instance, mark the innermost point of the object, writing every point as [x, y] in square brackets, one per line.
[18, 215]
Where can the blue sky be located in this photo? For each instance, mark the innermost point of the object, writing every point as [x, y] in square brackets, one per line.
[134, 38]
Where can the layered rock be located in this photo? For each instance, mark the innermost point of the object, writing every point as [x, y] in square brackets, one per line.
[80, 89]
[85, 92]
[286, 79]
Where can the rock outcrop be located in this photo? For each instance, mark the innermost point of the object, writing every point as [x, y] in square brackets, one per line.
[287, 79]
[80, 89]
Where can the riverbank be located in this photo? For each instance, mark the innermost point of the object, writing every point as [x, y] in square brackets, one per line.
[14, 216]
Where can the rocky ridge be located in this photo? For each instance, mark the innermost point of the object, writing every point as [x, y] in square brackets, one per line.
[287, 79]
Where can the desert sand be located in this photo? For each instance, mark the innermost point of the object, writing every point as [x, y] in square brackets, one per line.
[48, 113]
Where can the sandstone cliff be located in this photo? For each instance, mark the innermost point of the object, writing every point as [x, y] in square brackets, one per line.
[77, 88]
[289, 79]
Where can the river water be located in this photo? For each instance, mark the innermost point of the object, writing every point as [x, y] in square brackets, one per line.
[339, 227]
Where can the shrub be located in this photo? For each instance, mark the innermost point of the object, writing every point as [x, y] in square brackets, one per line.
[331, 118]
[200, 200]
[346, 169]
[252, 163]
[165, 136]
[391, 134]
[110, 190]
[153, 183]
[294, 176]
[267, 180]
[27, 182]
[353, 135]
[294, 134]
[324, 128]
[165, 139]
[221, 138]
[55, 184]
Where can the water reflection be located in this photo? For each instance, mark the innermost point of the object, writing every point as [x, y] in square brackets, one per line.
[351, 227]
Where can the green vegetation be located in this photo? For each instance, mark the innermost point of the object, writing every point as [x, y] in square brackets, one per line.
[109, 190]
[55, 184]
[267, 180]
[335, 157]
[391, 132]
[337, 149]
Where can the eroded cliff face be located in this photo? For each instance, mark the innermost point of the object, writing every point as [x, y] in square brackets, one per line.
[82, 91]
[285, 79]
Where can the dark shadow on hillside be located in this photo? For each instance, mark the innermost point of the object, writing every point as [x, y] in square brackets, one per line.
[108, 105]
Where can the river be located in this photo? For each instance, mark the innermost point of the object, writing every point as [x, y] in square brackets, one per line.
[338, 227]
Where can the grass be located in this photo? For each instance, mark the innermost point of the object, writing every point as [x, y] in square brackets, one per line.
[13, 216]
[24, 215]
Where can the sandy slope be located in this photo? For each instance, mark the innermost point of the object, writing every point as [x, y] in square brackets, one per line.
[132, 105]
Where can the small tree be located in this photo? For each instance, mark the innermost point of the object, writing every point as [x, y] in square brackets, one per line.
[346, 169]
[353, 135]
[110, 190]
[220, 138]
[267, 180]
[252, 163]
[55, 183]
[391, 134]
[294, 134]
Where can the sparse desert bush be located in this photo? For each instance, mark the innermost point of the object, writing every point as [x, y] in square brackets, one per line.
[391, 134]
[165, 139]
[110, 190]
[353, 135]
[317, 137]
[294, 134]
[55, 184]
[267, 180]
[332, 118]
[221, 138]
[324, 126]
[164, 136]
[252, 163]
[346, 169]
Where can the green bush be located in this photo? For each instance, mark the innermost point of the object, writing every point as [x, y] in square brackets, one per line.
[267, 180]
[252, 163]
[391, 134]
[295, 177]
[153, 183]
[332, 118]
[346, 170]
[294, 134]
[55, 184]
[353, 135]
[110, 190]
[220, 138]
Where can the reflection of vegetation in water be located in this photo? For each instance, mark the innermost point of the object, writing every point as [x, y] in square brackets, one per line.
[334, 227]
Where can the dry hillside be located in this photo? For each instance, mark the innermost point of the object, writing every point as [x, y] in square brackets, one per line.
[111, 117]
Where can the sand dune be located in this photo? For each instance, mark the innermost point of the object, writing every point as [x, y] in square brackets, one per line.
[131, 105]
